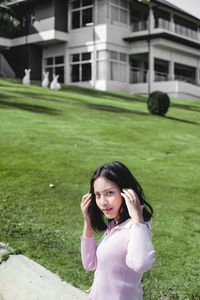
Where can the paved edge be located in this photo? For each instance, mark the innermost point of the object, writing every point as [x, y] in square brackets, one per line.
[22, 278]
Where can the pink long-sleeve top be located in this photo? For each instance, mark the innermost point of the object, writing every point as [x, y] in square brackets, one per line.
[122, 255]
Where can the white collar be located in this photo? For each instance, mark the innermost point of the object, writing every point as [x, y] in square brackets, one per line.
[125, 224]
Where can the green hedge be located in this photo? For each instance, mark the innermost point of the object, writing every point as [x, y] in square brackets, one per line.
[158, 103]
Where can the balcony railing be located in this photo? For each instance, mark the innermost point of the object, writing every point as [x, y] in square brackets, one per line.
[138, 75]
[139, 26]
[162, 23]
[166, 25]
[185, 79]
[161, 76]
[185, 31]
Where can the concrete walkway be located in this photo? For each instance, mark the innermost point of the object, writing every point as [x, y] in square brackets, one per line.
[24, 279]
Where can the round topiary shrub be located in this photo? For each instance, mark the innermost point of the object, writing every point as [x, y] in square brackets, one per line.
[158, 103]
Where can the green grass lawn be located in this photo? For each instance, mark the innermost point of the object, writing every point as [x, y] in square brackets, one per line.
[60, 137]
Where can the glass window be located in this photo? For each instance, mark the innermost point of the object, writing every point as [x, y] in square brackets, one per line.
[114, 14]
[86, 72]
[49, 61]
[113, 55]
[114, 71]
[119, 11]
[51, 66]
[118, 66]
[87, 16]
[80, 69]
[123, 16]
[60, 71]
[75, 73]
[115, 2]
[75, 57]
[75, 19]
[102, 12]
[123, 57]
[50, 70]
[76, 4]
[82, 13]
[124, 3]
[87, 2]
[122, 73]
[86, 56]
[59, 60]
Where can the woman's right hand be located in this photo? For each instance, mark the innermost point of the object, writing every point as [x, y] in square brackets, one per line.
[85, 203]
[86, 200]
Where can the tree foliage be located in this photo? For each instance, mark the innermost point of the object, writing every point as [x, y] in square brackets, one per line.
[8, 20]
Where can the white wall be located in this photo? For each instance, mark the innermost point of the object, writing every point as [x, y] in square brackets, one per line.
[177, 89]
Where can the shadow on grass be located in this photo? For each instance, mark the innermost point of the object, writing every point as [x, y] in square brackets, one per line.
[29, 107]
[182, 120]
[187, 107]
[102, 94]
[115, 109]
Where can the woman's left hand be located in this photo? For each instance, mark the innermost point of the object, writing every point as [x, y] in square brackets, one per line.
[133, 205]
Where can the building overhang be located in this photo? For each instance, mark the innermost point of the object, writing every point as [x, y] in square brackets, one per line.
[169, 6]
[165, 35]
[45, 37]
[20, 2]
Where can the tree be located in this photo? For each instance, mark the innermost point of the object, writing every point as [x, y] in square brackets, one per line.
[8, 20]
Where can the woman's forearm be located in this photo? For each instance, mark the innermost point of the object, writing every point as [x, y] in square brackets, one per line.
[87, 229]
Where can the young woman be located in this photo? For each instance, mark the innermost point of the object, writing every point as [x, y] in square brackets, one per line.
[125, 251]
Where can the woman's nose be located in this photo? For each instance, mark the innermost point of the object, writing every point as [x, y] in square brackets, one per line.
[103, 199]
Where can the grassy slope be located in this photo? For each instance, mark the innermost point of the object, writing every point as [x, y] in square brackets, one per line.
[60, 138]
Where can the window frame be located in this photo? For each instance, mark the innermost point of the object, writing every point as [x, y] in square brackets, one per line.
[80, 63]
[54, 65]
[81, 10]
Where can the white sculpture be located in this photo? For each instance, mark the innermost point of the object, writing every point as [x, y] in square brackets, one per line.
[26, 80]
[45, 81]
[55, 85]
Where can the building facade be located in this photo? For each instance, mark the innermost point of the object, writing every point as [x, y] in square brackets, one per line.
[136, 46]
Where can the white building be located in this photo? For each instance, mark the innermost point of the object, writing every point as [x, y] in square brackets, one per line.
[136, 46]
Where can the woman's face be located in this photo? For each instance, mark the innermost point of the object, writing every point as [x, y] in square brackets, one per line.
[108, 197]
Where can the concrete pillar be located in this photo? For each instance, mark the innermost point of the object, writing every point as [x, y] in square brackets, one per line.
[66, 65]
[150, 49]
[94, 52]
[197, 73]
[198, 34]
[171, 68]
[172, 25]
[151, 67]
[151, 20]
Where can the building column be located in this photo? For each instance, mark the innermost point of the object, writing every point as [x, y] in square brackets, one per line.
[151, 67]
[94, 51]
[150, 50]
[197, 75]
[171, 68]
[172, 25]
[198, 34]
[151, 24]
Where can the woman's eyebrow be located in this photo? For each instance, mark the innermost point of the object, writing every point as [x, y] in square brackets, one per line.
[109, 188]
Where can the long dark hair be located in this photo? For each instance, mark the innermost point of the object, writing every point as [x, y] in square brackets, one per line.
[120, 175]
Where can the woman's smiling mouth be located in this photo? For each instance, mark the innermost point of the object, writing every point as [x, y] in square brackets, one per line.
[106, 209]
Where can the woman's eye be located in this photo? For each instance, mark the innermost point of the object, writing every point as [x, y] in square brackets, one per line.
[109, 193]
[97, 195]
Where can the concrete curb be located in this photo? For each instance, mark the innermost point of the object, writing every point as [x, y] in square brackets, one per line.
[24, 279]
